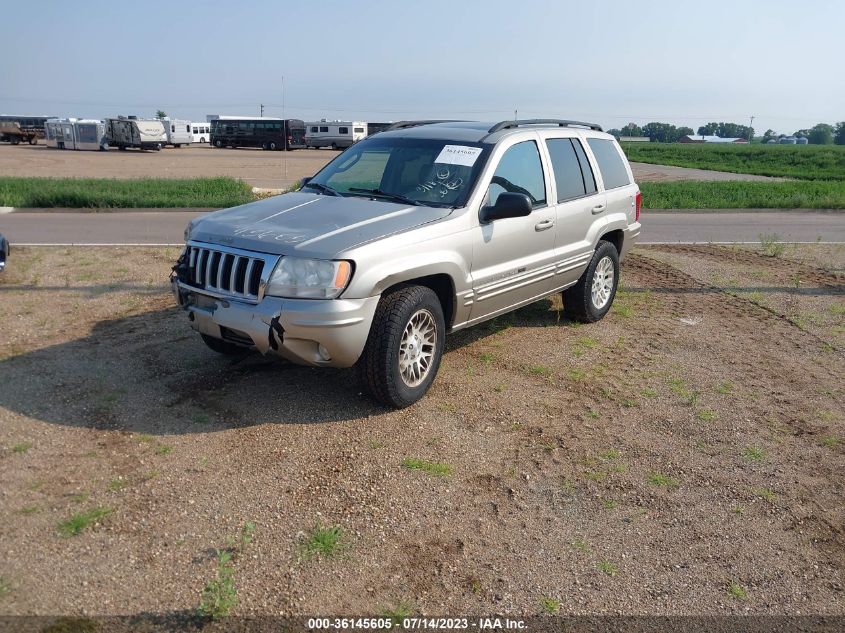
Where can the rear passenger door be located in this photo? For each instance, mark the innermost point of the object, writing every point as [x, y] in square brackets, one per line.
[579, 207]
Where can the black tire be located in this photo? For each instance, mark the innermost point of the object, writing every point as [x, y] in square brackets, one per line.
[15, 141]
[378, 368]
[33, 140]
[223, 347]
[578, 303]
[334, 146]
[218, 143]
[271, 146]
[202, 139]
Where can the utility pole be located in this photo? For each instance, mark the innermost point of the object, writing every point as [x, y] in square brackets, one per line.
[515, 112]
[750, 130]
[284, 123]
[262, 109]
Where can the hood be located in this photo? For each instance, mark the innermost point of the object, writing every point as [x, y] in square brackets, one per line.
[310, 225]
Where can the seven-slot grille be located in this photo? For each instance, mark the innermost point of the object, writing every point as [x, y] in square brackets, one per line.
[237, 275]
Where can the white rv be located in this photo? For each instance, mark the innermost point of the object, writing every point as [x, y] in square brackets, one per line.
[178, 132]
[124, 132]
[201, 131]
[334, 134]
[82, 134]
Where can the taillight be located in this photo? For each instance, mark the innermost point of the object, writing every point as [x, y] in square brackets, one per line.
[639, 204]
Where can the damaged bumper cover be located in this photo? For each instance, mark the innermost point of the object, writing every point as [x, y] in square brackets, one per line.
[317, 332]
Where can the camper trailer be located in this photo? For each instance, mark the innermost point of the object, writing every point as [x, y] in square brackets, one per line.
[334, 134]
[124, 132]
[81, 134]
[178, 132]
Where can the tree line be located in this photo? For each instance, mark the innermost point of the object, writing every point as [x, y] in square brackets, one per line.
[820, 134]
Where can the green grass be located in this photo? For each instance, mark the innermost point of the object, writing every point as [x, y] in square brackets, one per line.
[607, 567]
[323, 541]
[5, 587]
[550, 605]
[706, 415]
[754, 454]
[118, 483]
[665, 481]
[693, 194]
[432, 468]
[807, 162]
[81, 520]
[163, 449]
[736, 590]
[111, 193]
[539, 370]
[765, 493]
[22, 447]
[219, 596]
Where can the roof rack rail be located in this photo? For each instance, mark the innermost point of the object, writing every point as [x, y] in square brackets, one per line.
[401, 125]
[506, 125]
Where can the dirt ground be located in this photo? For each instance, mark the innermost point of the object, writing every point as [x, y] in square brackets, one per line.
[269, 170]
[683, 456]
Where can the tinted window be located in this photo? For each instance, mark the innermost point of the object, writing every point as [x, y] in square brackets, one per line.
[520, 171]
[589, 177]
[610, 162]
[313, 128]
[359, 130]
[343, 130]
[567, 169]
[324, 129]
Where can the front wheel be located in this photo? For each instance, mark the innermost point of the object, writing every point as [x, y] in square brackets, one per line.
[218, 144]
[403, 351]
[33, 141]
[591, 297]
[272, 146]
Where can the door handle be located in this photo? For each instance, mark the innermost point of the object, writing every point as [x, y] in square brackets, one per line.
[598, 209]
[545, 224]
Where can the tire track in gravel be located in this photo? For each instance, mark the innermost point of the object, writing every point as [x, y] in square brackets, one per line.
[781, 269]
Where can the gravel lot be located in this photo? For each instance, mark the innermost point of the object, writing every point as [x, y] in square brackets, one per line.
[271, 170]
[683, 456]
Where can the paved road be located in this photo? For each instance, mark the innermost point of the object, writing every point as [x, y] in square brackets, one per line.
[167, 227]
[646, 172]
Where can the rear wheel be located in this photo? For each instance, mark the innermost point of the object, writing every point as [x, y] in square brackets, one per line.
[334, 146]
[223, 347]
[33, 140]
[202, 139]
[404, 347]
[591, 297]
[272, 145]
[218, 143]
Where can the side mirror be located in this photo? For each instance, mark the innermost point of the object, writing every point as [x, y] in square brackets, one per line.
[304, 181]
[508, 205]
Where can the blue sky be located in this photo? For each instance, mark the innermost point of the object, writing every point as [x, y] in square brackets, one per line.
[610, 62]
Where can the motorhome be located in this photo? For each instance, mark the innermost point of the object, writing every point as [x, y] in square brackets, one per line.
[264, 132]
[124, 132]
[178, 132]
[81, 134]
[334, 134]
[201, 131]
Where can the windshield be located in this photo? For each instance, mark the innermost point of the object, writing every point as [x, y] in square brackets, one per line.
[416, 171]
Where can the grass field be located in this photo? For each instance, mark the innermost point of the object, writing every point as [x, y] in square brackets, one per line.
[110, 193]
[805, 162]
[694, 194]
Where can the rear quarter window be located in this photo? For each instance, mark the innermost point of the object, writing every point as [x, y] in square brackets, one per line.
[610, 161]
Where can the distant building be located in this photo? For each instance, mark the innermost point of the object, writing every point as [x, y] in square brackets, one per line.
[704, 138]
[634, 139]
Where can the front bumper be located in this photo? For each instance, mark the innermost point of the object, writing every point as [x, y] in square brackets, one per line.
[291, 328]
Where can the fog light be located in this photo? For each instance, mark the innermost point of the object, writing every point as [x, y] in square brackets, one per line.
[324, 353]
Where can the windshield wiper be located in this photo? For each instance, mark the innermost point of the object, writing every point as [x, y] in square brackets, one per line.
[323, 188]
[392, 196]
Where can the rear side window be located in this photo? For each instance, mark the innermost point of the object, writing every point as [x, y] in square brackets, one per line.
[343, 130]
[610, 162]
[520, 171]
[571, 177]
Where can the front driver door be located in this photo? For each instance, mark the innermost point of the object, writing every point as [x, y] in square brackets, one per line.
[513, 259]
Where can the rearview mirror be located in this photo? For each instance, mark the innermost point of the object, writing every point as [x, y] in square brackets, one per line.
[508, 205]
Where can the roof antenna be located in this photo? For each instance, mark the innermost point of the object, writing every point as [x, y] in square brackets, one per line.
[515, 118]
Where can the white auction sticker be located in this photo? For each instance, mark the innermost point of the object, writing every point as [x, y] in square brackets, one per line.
[458, 155]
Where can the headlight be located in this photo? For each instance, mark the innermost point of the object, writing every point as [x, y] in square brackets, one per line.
[301, 278]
